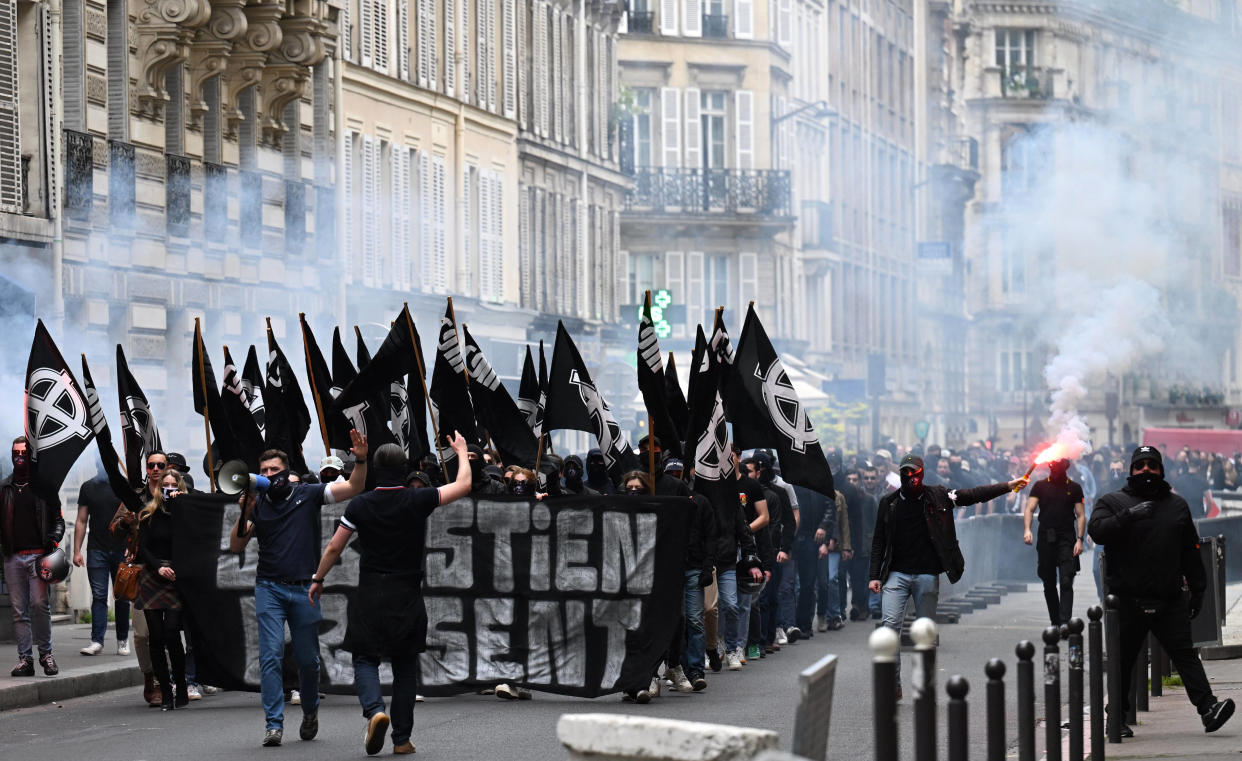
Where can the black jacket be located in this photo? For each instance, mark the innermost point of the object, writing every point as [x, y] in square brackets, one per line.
[938, 511]
[1149, 557]
[51, 522]
[732, 534]
[699, 555]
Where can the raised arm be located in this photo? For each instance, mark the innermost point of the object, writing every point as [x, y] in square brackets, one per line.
[357, 482]
[461, 486]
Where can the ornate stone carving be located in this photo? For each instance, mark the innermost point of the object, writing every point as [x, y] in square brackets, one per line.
[165, 30]
[209, 55]
[96, 24]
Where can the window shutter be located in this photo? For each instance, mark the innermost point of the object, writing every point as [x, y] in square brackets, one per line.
[785, 23]
[450, 46]
[473, 257]
[401, 214]
[347, 235]
[366, 40]
[467, 94]
[541, 66]
[347, 32]
[695, 297]
[694, 130]
[481, 50]
[692, 18]
[602, 101]
[748, 277]
[558, 80]
[10, 136]
[498, 237]
[668, 17]
[744, 19]
[423, 52]
[370, 196]
[426, 231]
[433, 62]
[510, 52]
[380, 14]
[491, 56]
[745, 115]
[782, 135]
[523, 107]
[403, 38]
[670, 98]
[441, 211]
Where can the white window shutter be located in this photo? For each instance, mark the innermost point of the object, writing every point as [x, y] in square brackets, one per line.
[692, 18]
[347, 31]
[370, 195]
[785, 23]
[480, 77]
[748, 277]
[670, 114]
[696, 299]
[694, 129]
[450, 46]
[424, 45]
[366, 39]
[491, 56]
[401, 215]
[523, 55]
[744, 19]
[602, 101]
[380, 14]
[668, 18]
[674, 277]
[467, 93]
[558, 79]
[11, 193]
[473, 255]
[541, 66]
[498, 236]
[426, 231]
[745, 115]
[347, 234]
[433, 60]
[403, 38]
[510, 73]
[439, 181]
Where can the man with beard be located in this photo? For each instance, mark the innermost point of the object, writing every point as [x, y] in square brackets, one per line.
[30, 526]
[597, 472]
[1062, 524]
[915, 541]
[286, 520]
[1151, 546]
[387, 618]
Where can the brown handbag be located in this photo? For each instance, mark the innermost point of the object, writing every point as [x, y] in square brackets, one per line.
[125, 586]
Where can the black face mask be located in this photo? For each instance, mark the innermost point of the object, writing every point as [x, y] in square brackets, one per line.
[573, 475]
[21, 468]
[765, 476]
[281, 487]
[635, 491]
[955, 467]
[596, 472]
[1058, 474]
[912, 484]
[1145, 483]
[476, 470]
[520, 488]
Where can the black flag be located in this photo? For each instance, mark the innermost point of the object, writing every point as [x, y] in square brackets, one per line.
[449, 393]
[769, 389]
[678, 409]
[379, 412]
[103, 440]
[58, 419]
[574, 402]
[528, 391]
[325, 389]
[207, 402]
[505, 424]
[707, 433]
[252, 384]
[288, 420]
[651, 383]
[752, 426]
[139, 433]
[542, 407]
[235, 404]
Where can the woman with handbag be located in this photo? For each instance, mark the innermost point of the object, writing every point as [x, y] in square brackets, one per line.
[157, 591]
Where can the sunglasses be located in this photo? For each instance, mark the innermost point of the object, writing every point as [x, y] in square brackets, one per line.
[157, 465]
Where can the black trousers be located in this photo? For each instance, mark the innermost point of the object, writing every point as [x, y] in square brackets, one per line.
[1055, 553]
[164, 634]
[1169, 621]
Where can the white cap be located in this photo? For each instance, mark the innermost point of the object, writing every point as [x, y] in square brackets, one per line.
[331, 461]
[887, 455]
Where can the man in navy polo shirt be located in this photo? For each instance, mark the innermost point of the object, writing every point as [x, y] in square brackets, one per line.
[286, 520]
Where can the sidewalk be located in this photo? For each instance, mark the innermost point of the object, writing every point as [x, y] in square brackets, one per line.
[79, 674]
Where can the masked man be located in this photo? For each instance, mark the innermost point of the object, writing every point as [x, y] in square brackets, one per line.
[30, 526]
[1151, 546]
[1062, 523]
[915, 541]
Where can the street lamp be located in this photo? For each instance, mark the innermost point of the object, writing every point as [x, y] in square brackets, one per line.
[821, 107]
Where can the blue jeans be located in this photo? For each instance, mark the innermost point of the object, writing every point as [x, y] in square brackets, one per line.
[693, 649]
[769, 602]
[744, 603]
[832, 579]
[897, 591]
[811, 590]
[274, 605]
[727, 605]
[787, 594]
[404, 689]
[32, 609]
[100, 570]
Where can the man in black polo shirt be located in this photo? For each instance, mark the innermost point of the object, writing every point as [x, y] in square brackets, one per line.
[97, 503]
[386, 617]
[286, 520]
[1062, 523]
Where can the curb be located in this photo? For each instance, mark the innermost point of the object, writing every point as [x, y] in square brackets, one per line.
[1220, 652]
[82, 682]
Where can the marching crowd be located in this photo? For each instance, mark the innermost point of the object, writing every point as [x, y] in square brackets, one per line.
[783, 563]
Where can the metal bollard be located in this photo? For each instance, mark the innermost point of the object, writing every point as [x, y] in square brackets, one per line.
[1026, 700]
[1052, 694]
[1132, 709]
[1140, 675]
[1075, 689]
[1116, 701]
[958, 732]
[923, 632]
[1096, 647]
[995, 671]
[884, 643]
[1157, 667]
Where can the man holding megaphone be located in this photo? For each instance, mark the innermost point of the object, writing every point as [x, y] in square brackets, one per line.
[285, 517]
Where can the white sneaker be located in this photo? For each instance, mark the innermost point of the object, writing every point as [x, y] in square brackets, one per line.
[654, 688]
[506, 691]
[122, 648]
[419, 699]
[781, 639]
[734, 659]
[678, 677]
[821, 624]
[193, 692]
[94, 648]
[295, 698]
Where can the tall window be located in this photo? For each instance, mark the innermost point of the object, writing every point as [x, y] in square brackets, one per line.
[642, 126]
[1013, 267]
[716, 279]
[1015, 49]
[1014, 369]
[714, 117]
[1020, 163]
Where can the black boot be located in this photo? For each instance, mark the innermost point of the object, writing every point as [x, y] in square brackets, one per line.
[167, 702]
[176, 654]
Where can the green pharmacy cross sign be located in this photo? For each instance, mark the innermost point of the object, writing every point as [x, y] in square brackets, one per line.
[661, 300]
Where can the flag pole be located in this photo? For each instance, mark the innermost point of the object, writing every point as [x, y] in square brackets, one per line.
[464, 369]
[538, 455]
[310, 372]
[202, 376]
[120, 465]
[651, 451]
[422, 379]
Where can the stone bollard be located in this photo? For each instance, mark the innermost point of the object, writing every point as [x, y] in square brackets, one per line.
[923, 679]
[1052, 694]
[1026, 700]
[616, 737]
[884, 643]
[995, 671]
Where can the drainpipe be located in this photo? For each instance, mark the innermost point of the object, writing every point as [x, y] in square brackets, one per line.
[54, 169]
[581, 103]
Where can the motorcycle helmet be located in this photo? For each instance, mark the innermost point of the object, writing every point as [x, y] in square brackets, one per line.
[53, 567]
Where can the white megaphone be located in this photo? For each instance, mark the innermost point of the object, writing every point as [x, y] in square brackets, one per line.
[235, 477]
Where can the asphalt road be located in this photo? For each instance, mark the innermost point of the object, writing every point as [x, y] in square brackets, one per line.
[118, 726]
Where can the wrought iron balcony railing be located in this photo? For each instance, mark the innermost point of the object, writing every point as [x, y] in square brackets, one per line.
[1026, 82]
[215, 203]
[79, 175]
[177, 195]
[715, 25]
[122, 185]
[641, 22]
[764, 192]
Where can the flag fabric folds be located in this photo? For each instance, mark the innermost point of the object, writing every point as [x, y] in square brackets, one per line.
[678, 409]
[574, 402]
[209, 404]
[498, 414]
[252, 385]
[58, 418]
[103, 440]
[324, 388]
[528, 391]
[139, 433]
[450, 393]
[651, 383]
[707, 432]
[288, 419]
[235, 406]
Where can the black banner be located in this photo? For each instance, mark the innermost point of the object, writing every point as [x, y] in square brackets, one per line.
[575, 596]
[651, 384]
[58, 418]
[287, 419]
[497, 413]
[140, 435]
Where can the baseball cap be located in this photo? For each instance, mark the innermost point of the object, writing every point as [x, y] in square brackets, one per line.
[911, 462]
[1146, 453]
[331, 461]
